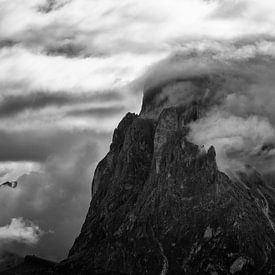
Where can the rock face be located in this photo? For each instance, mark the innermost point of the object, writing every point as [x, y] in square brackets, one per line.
[161, 206]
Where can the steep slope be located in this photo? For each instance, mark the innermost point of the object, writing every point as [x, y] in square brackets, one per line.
[161, 206]
[8, 260]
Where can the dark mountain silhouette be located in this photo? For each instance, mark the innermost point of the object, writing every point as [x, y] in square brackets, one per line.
[160, 204]
[8, 260]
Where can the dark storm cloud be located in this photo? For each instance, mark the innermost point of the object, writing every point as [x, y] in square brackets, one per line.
[53, 43]
[71, 48]
[107, 96]
[52, 5]
[66, 49]
[7, 43]
[99, 112]
[13, 105]
[38, 145]
[60, 39]
[30, 146]
[55, 199]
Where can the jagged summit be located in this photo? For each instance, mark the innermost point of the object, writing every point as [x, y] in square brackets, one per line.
[160, 205]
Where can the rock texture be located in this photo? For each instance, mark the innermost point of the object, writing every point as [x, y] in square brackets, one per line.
[161, 206]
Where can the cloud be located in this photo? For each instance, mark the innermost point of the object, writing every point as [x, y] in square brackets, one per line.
[12, 105]
[239, 119]
[115, 43]
[67, 49]
[98, 112]
[234, 83]
[94, 46]
[7, 43]
[56, 197]
[241, 60]
[20, 230]
[236, 139]
[69, 68]
[52, 5]
[17, 146]
[54, 170]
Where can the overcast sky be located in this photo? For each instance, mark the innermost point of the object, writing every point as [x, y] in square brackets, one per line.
[70, 70]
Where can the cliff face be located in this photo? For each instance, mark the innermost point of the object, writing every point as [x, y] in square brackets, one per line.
[161, 206]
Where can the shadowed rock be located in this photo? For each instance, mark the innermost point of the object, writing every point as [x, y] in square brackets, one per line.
[161, 206]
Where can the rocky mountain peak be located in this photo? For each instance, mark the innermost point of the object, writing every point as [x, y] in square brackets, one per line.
[160, 204]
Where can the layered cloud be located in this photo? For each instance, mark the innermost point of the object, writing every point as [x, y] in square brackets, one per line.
[96, 47]
[239, 118]
[70, 69]
[54, 171]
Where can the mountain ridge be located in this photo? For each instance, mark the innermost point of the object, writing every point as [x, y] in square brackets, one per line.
[160, 205]
[157, 185]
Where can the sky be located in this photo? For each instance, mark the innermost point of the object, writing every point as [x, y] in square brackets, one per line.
[71, 69]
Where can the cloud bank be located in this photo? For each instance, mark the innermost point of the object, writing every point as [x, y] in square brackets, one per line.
[55, 192]
[70, 69]
[238, 117]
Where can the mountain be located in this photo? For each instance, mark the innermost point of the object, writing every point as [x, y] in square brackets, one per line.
[30, 265]
[8, 260]
[160, 205]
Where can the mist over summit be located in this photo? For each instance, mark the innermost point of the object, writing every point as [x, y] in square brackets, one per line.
[160, 203]
[235, 95]
[185, 185]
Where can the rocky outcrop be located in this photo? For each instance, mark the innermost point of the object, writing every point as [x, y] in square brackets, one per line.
[161, 206]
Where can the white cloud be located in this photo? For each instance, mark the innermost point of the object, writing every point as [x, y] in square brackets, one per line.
[55, 73]
[97, 46]
[106, 23]
[122, 37]
[21, 231]
[236, 139]
[57, 196]
[115, 42]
